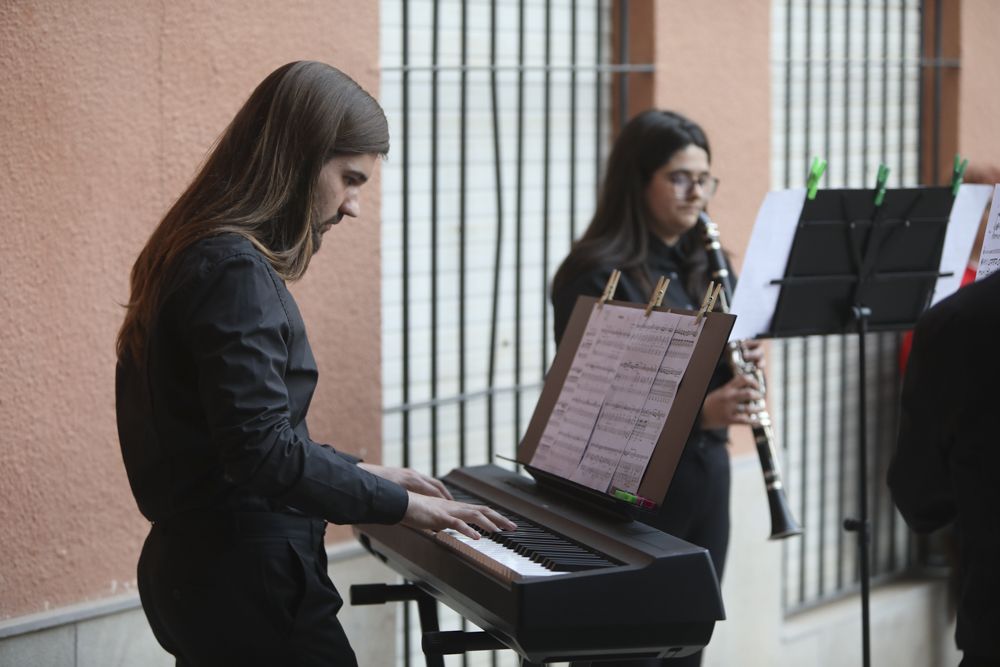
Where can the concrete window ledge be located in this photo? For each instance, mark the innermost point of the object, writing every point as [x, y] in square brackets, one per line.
[910, 626]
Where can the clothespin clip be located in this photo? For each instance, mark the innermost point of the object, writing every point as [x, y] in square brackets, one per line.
[710, 296]
[610, 287]
[815, 173]
[957, 174]
[657, 298]
[704, 302]
[883, 177]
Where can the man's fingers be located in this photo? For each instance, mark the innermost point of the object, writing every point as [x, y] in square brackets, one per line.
[488, 519]
[503, 522]
[462, 527]
[481, 520]
[441, 488]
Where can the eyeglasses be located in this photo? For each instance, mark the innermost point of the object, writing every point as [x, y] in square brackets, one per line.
[683, 181]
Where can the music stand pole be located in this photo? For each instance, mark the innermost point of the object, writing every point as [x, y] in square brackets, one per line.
[861, 525]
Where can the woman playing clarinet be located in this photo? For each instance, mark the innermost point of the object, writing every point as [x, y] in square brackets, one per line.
[658, 180]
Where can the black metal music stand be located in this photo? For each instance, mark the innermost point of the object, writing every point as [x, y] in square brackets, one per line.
[858, 266]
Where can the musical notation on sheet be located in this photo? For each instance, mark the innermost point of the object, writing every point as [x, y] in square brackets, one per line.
[571, 423]
[616, 397]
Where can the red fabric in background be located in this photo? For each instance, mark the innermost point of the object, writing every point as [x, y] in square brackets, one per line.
[904, 347]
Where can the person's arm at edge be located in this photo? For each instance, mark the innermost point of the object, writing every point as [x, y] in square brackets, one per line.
[918, 475]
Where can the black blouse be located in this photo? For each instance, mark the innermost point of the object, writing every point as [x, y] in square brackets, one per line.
[215, 418]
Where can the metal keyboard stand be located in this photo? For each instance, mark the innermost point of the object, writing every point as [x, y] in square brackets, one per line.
[435, 643]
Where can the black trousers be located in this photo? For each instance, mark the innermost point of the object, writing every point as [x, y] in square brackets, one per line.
[246, 588]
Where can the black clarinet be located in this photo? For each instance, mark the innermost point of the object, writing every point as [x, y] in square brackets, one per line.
[783, 524]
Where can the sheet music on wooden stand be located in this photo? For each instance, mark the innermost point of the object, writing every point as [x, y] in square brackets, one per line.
[620, 399]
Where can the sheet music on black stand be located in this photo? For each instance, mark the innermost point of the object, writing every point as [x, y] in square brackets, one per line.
[621, 398]
[841, 263]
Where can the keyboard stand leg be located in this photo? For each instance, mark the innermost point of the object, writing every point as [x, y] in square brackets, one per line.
[362, 594]
[435, 644]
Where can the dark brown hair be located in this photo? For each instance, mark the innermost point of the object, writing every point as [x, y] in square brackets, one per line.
[260, 181]
[618, 234]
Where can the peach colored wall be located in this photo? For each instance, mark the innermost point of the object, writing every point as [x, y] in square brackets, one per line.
[713, 65]
[107, 108]
[979, 96]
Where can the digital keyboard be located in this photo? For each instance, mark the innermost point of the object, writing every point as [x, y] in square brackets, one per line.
[572, 582]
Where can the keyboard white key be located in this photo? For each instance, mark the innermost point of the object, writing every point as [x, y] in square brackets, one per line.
[494, 556]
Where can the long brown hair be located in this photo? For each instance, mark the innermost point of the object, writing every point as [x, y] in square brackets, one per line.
[260, 182]
[618, 234]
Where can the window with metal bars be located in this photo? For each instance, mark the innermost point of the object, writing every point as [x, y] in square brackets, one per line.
[500, 114]
[846, 82]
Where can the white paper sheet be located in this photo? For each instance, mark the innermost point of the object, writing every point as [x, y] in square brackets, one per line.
[660, 399]
[625, 398]
[572, 421]
[966, 213]
[755, 297]
[989, 257]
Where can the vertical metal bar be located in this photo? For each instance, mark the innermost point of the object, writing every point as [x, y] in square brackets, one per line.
[804, 411]
[785, 547]
[463, 187]
[785, 433]
[884, 156]
[546, 175]
[598, 96]
[405, 414]
[623, 58]
[880, 442]
[863, 529]
[519, 204]
[804, 397]
[498, 250]
[827, 95]
[902, 181]
[788, 96]
[876, 439]
[462, 240]
[847, 101]
[864, 97]
[435, 25]
[901, 178]
[572, 123]
[842, 453]
[842, 463]
[921, 91]
[824, 352]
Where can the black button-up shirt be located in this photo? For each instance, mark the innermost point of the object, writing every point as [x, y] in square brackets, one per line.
[215, 416]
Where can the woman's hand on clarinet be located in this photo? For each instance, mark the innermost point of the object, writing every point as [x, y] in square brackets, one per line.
[753, 352]
[735, 402]
[409, 479]
[439, 514]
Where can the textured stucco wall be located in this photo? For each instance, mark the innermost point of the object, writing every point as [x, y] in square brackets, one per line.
[713, 65]
[108, 108]
[979, 97]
